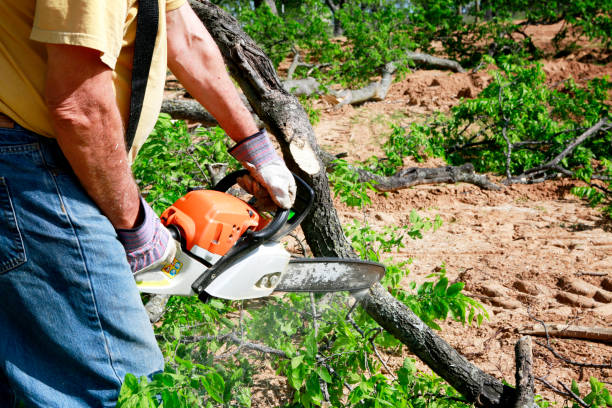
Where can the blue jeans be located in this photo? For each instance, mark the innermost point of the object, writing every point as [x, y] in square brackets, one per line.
[71, 320]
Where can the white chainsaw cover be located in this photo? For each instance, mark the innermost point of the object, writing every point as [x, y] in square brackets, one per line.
[255, 275]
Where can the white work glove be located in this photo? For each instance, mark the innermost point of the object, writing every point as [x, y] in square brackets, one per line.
[269, 177]
[149, 245]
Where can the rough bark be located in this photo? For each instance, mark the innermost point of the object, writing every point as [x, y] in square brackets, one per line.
[285, 118]
[434, 62]
[189, 109]
[289, 123]
[524, 374]
[416, 175]
[156, 307]
[413, 176]
[475, 385]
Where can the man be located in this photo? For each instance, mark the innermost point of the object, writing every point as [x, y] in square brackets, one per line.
[73, 228]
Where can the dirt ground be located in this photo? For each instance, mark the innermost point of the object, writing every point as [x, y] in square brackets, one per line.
[527, 252]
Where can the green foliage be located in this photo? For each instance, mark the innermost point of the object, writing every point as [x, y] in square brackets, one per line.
[312, 112]
[346, 185]
[597, 195]
[172, 160]
[517, 108]
[598, 397]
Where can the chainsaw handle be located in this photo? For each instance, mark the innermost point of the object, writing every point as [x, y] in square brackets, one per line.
[282, 223]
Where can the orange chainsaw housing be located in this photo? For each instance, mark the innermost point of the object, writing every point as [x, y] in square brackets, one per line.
[210, 219]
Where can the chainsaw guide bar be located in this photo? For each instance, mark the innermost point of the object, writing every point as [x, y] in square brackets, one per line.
[329, 275]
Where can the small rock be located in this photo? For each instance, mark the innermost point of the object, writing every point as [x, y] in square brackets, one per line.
[387, 219]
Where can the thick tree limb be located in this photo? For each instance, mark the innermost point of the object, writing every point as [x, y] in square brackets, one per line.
[188, 109]
[285, 118]
[376, 90]
[599, 334]
[435, 62]
[475, 385]
[289, 123]
[413, 176]
[524, 374]
[539, 173]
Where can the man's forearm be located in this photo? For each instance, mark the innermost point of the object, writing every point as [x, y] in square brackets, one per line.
[89, 130]
[196, 61]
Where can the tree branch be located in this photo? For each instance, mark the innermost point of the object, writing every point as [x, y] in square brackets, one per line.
[414, 176]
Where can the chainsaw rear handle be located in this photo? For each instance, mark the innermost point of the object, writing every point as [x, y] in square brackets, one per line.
[282, 223]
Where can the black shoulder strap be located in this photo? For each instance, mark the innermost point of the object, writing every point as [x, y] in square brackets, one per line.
[147, 21]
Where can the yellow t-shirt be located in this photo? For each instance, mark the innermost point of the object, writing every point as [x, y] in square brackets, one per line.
[108, 26]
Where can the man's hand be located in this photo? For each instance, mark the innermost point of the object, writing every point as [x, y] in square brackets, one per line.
[149, 245]
[266, 168]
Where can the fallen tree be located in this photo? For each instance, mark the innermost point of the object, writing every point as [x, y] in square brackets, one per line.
[414, 176]
[288, 121]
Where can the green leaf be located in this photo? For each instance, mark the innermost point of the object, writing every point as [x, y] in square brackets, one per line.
[297, 361]
[214, 385]
[575, 388]
[454, 289]
[440, 288]
[324, 374]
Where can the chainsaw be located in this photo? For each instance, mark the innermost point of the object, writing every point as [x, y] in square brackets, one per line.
[227, 249]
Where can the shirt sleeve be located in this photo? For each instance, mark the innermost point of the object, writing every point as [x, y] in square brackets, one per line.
[174, 4]
[96, 24]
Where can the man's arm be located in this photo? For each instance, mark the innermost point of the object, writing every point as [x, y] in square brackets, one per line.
[196, 61]
[89, 130]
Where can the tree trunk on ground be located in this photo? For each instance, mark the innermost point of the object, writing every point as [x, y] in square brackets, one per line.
[289, 123]
[414, 176]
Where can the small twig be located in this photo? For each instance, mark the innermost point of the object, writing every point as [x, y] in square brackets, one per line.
[554, 352]
[333, 372]
[574, 396]
[198, 166]
[349, 318]
[591, 273]
[235, 339]
[568, 394]
[371, 340]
